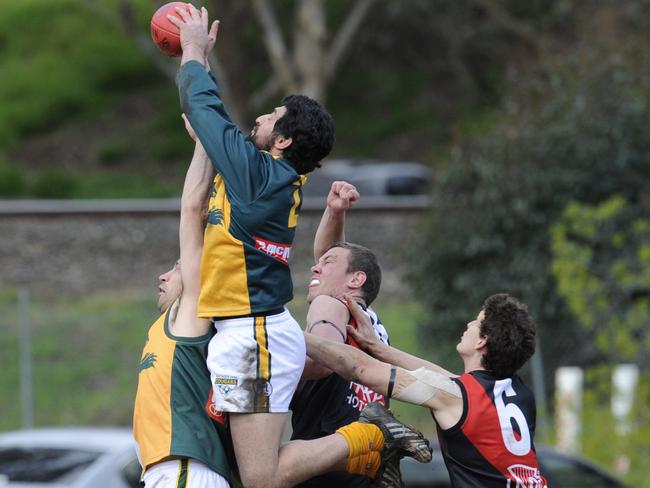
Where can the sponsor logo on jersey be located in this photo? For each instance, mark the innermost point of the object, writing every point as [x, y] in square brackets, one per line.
[525, 477]
[281, 252]
[148, 361]
[361, 395]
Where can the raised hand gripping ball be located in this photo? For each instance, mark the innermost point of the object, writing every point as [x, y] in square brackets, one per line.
[165, 34]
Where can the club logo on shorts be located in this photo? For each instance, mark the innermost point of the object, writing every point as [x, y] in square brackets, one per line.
[213, 412]
[225, 384]
[263, 387]
[226, 380]
[281, 252]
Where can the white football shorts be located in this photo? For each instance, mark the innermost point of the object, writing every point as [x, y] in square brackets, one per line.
[255, 363]
[182, 473]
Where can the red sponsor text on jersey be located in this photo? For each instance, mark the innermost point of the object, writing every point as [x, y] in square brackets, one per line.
[361, 395]
[281, 252]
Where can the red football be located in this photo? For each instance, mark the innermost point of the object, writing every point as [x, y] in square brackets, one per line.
[165, 34]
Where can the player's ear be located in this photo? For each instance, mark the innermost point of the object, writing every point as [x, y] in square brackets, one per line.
[357, 280]
[282, 142]
[481, 342]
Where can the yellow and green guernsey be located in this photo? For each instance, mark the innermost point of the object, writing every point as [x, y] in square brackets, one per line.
[253, 209]
[169, 420]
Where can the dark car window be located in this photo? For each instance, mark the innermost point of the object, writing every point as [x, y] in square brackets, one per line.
[44, 465]
[568, 473]
[406, 185]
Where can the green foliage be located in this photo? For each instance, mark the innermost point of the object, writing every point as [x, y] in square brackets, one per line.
[60, 183]
[577, 132]
[603, 272]
[123, 185]
[602, 441]
[55, 183]
[114, 152]
[12, 180]
[66, 67]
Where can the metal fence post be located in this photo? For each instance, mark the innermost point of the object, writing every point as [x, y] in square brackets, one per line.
[26, 389]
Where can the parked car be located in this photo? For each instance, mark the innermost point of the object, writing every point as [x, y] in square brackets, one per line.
[560, 470]
[106, 458]
[69, 457]
[372, 178]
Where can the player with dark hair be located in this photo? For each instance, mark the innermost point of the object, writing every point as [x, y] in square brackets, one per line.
[485, 417]
[310, 129]
[258, 354]
[325, 401]
[176, 438]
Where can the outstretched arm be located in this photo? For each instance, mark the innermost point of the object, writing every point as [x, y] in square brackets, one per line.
[367, 340]
[193, 204]
[242, 166]
[419, 387]
[342, 196]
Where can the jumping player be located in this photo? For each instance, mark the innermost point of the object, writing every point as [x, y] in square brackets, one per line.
[258, 354]
[325, 401]
[485, 417]
[177, 441]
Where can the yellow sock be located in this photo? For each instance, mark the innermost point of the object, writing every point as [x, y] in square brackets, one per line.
[365, 464]
[362, 438]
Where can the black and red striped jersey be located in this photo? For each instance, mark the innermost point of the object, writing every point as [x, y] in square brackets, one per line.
[321, 406]
[491, 446]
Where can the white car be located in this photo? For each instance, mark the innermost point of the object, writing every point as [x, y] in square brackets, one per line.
[69, 457]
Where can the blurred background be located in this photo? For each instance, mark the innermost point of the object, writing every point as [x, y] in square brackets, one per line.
[500, 145]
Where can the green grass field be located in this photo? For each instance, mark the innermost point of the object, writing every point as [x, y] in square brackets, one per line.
[86, 353]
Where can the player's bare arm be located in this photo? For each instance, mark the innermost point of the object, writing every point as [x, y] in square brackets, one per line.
[342, 196]
[422, 387]
[368, 341]
[327, 318]
[193, 202]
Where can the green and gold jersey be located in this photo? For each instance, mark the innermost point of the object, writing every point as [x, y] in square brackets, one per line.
[253, 211]
[169, 418]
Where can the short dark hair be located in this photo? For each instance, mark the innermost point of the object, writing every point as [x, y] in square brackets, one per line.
[311, 129]
[363, 259]
[510, 333]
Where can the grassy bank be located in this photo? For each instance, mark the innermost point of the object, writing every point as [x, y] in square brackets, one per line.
[86, 352]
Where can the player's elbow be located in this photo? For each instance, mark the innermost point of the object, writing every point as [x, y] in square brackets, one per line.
[190, 205]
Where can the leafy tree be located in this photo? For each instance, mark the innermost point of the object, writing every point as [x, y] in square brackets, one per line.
[577, 131]
[601, 261]
[54, 67]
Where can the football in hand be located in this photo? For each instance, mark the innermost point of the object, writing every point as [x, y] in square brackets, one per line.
[165, 34]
